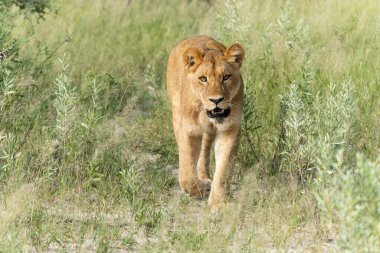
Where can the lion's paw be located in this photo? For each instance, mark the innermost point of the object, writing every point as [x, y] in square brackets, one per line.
[217, 200]
[198, 188]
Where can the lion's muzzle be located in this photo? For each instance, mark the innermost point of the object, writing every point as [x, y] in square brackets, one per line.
[218, 113]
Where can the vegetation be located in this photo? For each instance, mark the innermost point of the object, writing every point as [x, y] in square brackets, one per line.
[88, 159]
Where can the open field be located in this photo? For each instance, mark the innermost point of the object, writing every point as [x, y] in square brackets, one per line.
[88, 159]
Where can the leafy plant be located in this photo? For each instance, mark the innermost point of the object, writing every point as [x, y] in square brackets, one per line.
[350, 204]
[313, 132]
[8, 155]
[311, 125]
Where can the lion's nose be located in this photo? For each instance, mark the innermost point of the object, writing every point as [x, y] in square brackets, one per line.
[217, 100]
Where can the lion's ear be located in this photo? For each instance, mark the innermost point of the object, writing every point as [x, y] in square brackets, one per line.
[192, 58]
[235, 54]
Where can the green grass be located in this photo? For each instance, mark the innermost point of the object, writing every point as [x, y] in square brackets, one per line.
[88, 159]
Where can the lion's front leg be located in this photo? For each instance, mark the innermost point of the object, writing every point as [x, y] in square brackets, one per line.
[226, 145]
[189, 149]
[204, 158]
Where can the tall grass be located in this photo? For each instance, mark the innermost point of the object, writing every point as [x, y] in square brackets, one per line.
[88, 138]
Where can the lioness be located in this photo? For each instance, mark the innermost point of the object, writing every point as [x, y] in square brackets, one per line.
[205, 89]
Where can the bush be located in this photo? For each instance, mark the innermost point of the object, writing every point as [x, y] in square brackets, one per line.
[11, 67]
[313, 124]
[313, 131]
[351, 204]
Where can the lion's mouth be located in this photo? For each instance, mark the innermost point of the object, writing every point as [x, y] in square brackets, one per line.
[218, 113]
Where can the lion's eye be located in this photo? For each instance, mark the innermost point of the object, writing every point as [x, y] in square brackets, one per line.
[203, 79]
[226, 77]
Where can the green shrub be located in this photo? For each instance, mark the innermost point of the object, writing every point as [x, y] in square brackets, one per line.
[350, 204]
[313, 124]
[10, 46]
[313, 132]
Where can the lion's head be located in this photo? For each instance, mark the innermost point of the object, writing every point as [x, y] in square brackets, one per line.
[215, 77]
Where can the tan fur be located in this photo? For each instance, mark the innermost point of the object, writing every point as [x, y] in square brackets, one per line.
[190, 98]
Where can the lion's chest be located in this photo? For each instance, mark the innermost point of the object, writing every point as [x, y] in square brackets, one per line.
[197, 124]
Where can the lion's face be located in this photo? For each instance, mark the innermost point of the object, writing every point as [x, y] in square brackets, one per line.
[215, 78]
